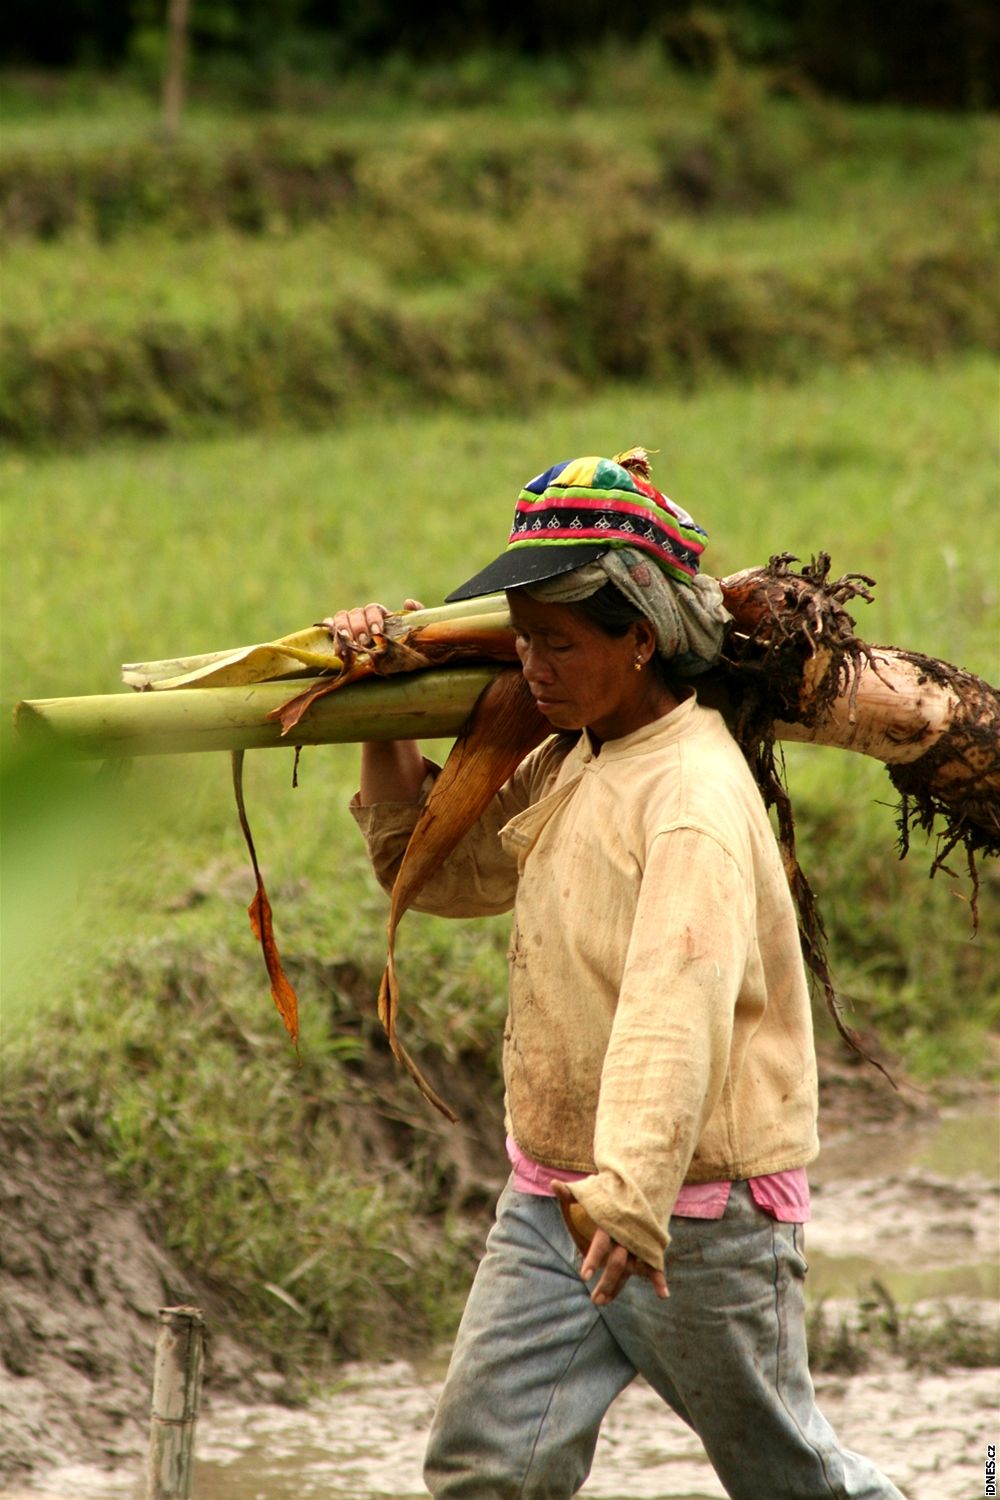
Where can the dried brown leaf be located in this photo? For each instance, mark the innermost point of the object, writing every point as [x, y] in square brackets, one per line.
[259, 912]
[502, 728]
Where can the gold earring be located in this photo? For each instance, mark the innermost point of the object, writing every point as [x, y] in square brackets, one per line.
[638, 663]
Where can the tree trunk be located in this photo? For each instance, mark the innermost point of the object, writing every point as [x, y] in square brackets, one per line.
[936, 727]
[175, 70]
[795, 670]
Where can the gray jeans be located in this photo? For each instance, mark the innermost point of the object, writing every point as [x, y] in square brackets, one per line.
[536, 1365]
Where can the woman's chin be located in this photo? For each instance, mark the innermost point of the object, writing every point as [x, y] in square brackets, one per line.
[562, 718]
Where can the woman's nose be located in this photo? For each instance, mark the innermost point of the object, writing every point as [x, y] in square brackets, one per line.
[533, 666]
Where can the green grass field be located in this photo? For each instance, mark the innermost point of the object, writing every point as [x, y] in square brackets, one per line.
[132, 941]
[136, 1014]
[466, 202]
[153, 550]
[279, 268]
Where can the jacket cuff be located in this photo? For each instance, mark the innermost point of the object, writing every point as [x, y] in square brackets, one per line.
[633, 1227]
[387, 826]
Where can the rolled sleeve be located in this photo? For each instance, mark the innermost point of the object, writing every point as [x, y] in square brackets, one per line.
[479, 877]
[387, 827]
[669, 1052]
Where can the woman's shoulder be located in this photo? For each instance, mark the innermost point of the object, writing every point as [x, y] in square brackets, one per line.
[538, 772]
[700, 776]
[547, 760]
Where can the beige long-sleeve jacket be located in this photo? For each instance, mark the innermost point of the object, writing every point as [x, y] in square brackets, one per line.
[659, 1028]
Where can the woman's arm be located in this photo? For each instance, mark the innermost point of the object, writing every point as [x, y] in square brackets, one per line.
[668, 1054]
[391, 770]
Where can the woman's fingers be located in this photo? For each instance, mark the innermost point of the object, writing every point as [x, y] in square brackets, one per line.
[364, 624]
[656, 1278]
[618, 1267]
[579, 1223]
[354, 629]
[615, 1262]
[358, 628]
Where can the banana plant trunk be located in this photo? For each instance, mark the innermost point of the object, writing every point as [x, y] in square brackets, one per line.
[792, 670]
[431, 705]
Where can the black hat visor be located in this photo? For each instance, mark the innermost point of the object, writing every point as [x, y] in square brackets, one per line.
[526, 565]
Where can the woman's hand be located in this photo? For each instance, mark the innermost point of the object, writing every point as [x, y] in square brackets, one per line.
[604, 1254]
[354, 630]
[391, 770]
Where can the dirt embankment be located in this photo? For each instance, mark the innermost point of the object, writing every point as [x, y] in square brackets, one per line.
[82, 1277]
[81, 1281]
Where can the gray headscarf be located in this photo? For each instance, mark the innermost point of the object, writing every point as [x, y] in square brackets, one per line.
[689, 619]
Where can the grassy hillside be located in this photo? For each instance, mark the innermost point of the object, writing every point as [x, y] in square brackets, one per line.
[808, 350]
[303, 270]
[146, 1027]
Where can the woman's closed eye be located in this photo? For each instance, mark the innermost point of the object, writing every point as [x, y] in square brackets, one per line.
[524, 642]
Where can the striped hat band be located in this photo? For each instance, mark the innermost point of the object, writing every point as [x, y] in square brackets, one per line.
[575, 512]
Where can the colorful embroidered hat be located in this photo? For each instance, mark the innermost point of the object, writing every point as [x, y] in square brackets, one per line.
[578, 510]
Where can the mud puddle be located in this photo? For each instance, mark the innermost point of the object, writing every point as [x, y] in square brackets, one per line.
[929, 1432]
[914, 1205]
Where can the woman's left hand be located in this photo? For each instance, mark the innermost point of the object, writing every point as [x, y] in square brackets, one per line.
[604, 1253]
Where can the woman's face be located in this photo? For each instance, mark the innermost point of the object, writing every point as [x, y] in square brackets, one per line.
[579, 676]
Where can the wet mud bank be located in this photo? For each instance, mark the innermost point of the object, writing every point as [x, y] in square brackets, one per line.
[903, 1239]
[927, 1430]
[82, 1277]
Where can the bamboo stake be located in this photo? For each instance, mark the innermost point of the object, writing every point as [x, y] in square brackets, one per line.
[176, 1398]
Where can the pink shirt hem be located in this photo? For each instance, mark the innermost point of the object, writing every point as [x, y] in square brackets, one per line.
[783, 1195]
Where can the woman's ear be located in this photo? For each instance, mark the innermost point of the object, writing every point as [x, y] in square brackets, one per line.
[645, 638]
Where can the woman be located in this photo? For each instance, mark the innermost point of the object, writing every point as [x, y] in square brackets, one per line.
[658, 1057]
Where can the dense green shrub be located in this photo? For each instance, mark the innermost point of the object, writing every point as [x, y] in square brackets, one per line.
[279, 180]
[184, 189]
[945, 54]
[634, 309]
[298, 271]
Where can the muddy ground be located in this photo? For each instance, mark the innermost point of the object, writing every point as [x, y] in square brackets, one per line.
[81, 1281]
[82, 1277]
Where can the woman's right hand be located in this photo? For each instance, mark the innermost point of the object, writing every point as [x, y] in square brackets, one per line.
[391, 770]
[354, 630]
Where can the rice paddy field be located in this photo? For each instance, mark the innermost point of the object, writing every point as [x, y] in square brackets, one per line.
[302, 362]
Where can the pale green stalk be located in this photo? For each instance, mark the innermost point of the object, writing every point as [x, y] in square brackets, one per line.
[429, 705]
[297, 655]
